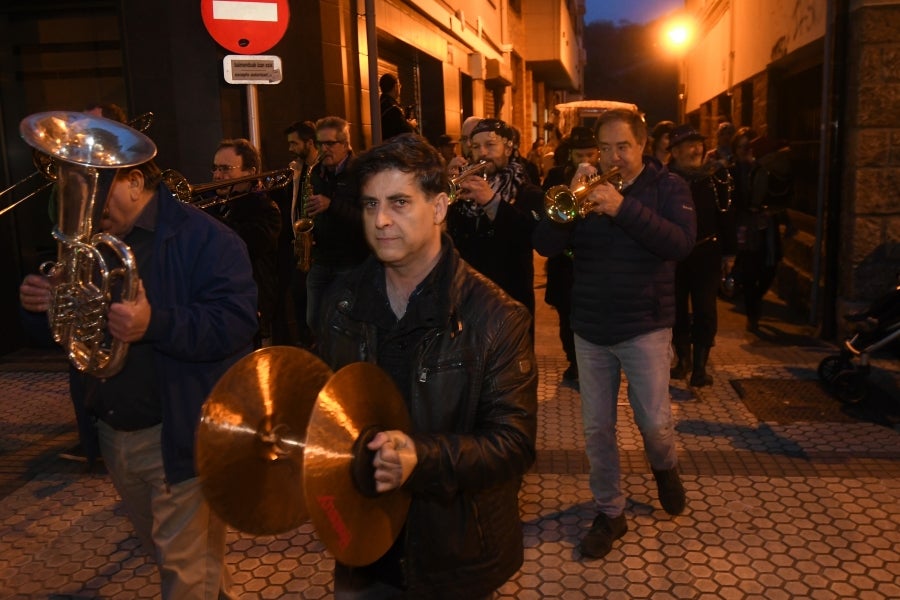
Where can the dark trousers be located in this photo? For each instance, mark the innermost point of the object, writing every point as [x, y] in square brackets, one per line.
[757, 272]
[87, 430]
[558, 294]
[696, 288]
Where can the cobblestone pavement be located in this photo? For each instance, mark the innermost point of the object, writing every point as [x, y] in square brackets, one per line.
[781, 503]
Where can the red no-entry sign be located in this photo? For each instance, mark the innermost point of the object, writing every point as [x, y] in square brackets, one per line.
[248, 26]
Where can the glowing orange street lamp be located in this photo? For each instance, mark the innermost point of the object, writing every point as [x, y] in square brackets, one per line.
[678, 35]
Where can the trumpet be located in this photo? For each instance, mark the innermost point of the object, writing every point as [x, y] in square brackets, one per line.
[564, 205]
[193, 194]
[453, 191]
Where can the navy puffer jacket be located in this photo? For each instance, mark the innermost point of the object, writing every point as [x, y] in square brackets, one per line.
[625, 265]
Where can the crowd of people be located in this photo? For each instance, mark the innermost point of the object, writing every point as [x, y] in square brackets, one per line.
[429, 274]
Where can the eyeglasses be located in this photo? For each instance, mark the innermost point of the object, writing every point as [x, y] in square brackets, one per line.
[222, 168]
[327, 143]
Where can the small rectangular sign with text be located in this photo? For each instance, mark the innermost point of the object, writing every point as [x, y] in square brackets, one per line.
[241, 68]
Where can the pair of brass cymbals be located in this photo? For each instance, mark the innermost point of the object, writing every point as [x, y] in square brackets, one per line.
[282, 439]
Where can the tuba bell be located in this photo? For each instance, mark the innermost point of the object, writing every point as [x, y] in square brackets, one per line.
[564, 205]
[45, 165]
[93, 268]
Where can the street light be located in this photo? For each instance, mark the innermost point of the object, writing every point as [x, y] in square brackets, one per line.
[677, 36]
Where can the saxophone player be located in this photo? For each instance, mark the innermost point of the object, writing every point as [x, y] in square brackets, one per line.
[333, 204]
[301, 140]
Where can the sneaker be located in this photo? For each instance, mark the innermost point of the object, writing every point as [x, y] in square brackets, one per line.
[604, 531]
[671, 491]
[75, 453]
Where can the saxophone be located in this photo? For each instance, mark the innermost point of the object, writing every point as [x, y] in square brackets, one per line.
[303, 226]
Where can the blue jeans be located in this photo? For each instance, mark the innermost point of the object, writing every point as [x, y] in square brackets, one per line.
[645, 360]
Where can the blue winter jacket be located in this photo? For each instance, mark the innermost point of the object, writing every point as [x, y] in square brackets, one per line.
[203, 320]
[625, 265]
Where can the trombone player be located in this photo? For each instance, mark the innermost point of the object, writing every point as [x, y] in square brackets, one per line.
[256, 219]
[192, 317]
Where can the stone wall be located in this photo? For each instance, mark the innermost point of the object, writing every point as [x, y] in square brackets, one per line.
[870, 210]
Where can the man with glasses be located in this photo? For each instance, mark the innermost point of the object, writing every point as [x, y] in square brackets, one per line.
[256, 218]
[334, 207]
[492, 221]
[623, 309]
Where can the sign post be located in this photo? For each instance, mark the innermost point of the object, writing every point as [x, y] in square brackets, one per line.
[248, 27]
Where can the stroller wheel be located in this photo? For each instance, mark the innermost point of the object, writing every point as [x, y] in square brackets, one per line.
[849, 386]
[831, 367]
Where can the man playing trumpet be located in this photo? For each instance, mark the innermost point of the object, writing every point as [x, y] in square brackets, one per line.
[492, 221]
[623, 309]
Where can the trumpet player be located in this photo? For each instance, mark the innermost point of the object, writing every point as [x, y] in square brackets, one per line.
[492, 221]
[623, 308]
[698, 276]
[583, 153]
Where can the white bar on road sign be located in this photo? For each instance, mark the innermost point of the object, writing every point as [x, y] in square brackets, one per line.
[226, 10]
[246, 68]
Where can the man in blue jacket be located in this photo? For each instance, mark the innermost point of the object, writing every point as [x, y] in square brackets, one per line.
[194, 315]
[623, 308]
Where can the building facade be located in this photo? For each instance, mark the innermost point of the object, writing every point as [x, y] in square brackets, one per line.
[824, 75]
[512, 59]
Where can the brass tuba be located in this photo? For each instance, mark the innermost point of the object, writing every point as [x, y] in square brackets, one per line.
[564, 205]
[93, 268]
[45, 165]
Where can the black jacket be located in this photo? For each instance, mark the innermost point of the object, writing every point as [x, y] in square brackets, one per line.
[473, 404]
[501, 249]
[625, 266]
[338, 231]
[393, 120]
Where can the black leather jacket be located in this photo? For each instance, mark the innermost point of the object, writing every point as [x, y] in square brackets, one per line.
[473, 403]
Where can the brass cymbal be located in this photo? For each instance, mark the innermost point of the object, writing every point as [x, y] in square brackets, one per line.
[355, 523]
[251, 436]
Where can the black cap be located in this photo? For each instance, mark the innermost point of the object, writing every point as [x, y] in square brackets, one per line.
[496, 125]
[582, 137]
[684, 133]
[445, 140]
[662, 128]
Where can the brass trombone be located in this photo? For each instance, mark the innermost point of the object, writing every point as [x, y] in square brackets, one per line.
[564, 205]
[194, 194]
[45, 165]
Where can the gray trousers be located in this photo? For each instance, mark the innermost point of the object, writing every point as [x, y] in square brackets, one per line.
[174, 522]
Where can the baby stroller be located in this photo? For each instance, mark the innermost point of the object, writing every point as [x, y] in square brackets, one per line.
[845, 374]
